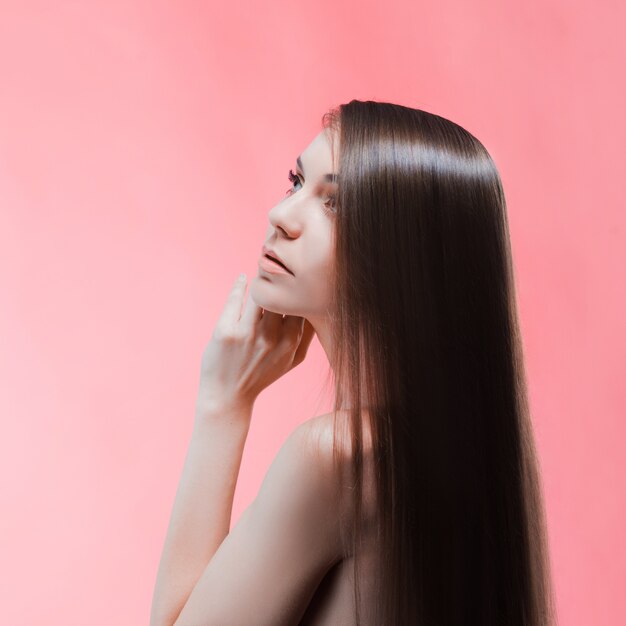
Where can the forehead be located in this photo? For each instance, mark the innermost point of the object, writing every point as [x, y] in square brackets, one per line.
[318, 154]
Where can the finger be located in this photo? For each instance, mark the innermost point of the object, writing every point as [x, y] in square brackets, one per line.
[293, 324]
[271, 323]
[305, 341]
[232, 308]
[252, 312]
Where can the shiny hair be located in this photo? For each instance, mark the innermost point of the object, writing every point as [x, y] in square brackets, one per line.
[427, 346]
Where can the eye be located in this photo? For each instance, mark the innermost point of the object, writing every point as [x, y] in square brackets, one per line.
[294, 178]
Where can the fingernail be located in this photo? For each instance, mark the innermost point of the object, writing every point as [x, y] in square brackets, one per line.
[242, 277]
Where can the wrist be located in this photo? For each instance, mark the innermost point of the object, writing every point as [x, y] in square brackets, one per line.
[232, 414]
[210, 399]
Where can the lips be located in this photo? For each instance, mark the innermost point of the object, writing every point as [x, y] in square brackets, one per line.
[270, 254]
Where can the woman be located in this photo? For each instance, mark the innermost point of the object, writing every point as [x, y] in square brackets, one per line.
[418, 499]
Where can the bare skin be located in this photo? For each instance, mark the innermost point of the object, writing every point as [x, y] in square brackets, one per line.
[301, 232]
[333, 601]
[282, 563]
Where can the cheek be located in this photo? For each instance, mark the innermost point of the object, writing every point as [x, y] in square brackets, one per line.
[322, 261]
[321, 275]
[322, 252]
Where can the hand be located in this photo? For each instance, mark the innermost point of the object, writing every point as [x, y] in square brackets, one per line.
[248, 351]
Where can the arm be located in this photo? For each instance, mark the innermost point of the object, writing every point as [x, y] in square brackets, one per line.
[249, 349]
[200, 518]
[267, 569]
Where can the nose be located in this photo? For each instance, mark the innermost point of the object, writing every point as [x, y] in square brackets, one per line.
[283, 219]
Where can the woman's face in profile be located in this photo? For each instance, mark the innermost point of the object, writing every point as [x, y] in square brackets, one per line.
[301, 234]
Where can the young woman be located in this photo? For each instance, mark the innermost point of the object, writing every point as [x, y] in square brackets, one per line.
[418, 499]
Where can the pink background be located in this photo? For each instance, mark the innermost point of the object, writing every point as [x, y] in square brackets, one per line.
[142, 145]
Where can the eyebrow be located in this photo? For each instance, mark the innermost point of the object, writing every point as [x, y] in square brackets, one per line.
[328, 178]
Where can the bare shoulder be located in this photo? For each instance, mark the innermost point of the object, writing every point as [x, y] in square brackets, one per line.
[269, 566]
[319, 433]
[321, 430]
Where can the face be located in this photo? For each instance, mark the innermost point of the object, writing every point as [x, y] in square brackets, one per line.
[301, 234]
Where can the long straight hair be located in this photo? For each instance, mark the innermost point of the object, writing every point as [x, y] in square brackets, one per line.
[426, 344]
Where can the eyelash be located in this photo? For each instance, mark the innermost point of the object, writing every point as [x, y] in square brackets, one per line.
[294, 178]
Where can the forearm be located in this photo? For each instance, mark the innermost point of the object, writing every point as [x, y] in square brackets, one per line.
[200, 518]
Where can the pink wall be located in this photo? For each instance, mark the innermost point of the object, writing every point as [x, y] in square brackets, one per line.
[142, 145]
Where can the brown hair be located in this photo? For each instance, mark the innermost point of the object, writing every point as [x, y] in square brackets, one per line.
[426, 343]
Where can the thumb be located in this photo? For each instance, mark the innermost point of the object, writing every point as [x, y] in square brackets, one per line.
[232, 308]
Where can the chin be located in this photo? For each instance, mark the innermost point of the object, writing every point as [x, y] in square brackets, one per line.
[261, 299]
